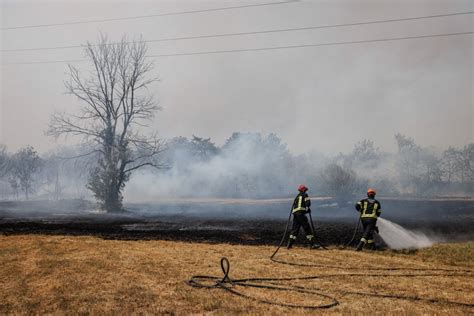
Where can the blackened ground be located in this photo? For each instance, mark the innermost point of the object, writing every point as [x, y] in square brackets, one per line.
[242, 223]
[240, 232]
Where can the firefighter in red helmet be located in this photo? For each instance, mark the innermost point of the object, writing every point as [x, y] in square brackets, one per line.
[301, 206]
[369, 209]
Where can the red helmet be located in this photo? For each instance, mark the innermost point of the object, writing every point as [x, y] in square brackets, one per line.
[302, 188]
[371, 191]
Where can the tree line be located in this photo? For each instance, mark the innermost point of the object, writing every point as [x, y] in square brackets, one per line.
[251, 165]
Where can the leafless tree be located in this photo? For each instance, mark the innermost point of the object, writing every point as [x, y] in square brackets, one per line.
[115, 103]
[468, 165]
[4, 170]
[4, 161]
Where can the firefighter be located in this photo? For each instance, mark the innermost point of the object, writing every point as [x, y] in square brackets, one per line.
[300, 207]
[369, 209]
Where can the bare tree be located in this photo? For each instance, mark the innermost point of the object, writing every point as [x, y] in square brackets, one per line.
[364, 154]
[25, 163]
[4, 161]
[409, 163]
[114, 105]
[15, 186]
[4, 169]
[468, 162]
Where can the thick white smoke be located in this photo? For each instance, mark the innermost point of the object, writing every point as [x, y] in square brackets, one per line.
[248, 166]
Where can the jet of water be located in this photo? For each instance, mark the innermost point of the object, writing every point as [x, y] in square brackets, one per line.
[397, 237]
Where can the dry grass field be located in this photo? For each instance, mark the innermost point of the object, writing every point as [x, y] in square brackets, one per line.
[75, 275]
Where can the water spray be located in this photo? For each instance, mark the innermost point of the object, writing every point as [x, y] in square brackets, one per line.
[397, 237]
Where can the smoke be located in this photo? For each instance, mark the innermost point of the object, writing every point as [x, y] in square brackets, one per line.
[250, 165]
[397, 237]
[255, 166]
[247, 166]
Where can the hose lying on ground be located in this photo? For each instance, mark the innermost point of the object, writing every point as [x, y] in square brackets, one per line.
[275, 284]
[228, 284]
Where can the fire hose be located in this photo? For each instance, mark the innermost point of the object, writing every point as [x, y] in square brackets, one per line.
[283, 238]
[347, 244]
[228, 284]
[278, 284]
[344, 246]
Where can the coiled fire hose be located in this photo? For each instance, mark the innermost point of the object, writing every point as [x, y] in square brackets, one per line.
[279, 284]
[228, 284]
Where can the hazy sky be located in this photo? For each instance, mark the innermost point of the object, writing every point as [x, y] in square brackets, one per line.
[317, 98]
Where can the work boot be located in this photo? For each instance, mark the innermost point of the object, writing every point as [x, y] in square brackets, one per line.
[360, 246]
[290, 244]
[371, 246]
[315, 246]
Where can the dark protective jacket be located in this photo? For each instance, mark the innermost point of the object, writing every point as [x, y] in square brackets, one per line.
[301, 203]
[369, 208]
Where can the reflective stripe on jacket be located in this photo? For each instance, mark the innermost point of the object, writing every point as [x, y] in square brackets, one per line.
[369, 208]
[301, 202]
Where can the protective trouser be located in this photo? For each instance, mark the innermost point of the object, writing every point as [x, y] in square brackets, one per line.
[300, 219]
[368, 236]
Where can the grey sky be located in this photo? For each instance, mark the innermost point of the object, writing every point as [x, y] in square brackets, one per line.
[321, 98]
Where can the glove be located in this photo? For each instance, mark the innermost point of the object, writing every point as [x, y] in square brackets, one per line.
[376, 229]
[308, 211]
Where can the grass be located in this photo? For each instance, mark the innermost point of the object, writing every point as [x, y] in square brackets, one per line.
[77, 275]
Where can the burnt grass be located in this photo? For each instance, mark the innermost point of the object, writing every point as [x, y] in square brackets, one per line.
[242, 232]
[450, 220]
